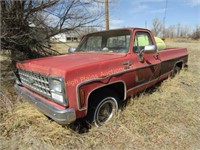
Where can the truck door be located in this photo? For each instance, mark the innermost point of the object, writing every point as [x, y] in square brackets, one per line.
[146, 71]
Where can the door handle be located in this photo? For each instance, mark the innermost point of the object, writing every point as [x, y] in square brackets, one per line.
[127, 63]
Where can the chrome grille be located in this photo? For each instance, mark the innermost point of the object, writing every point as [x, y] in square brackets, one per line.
[35, 81]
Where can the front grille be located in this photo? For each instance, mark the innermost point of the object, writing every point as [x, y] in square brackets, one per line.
[35, 81]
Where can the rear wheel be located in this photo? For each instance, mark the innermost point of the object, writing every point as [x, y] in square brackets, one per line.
[102, 108]
[176, 70]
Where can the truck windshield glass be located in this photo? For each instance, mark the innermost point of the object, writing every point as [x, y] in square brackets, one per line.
[108, 41]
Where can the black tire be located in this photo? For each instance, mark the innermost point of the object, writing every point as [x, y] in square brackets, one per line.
[176, 71]
[102, 107]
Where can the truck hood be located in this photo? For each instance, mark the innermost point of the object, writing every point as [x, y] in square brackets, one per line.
[58, 65]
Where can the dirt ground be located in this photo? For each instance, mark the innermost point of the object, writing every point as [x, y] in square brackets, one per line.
[167, 117]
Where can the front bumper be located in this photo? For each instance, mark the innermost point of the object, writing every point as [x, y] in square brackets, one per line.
[61, 116]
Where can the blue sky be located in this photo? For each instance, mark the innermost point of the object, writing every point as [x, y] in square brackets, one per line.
[134, 13]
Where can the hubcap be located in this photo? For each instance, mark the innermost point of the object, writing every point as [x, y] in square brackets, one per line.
[105, 111]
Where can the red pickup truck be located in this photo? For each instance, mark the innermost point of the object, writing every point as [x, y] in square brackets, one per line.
[93, 80]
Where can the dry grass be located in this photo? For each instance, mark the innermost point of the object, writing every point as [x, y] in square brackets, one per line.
[168, 118]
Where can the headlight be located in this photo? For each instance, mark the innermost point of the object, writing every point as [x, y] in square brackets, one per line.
[58, 91]
[56, 86]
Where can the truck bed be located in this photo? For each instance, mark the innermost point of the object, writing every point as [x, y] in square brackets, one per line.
[172, 53]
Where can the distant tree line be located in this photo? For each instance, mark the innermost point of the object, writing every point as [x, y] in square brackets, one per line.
[174, 31]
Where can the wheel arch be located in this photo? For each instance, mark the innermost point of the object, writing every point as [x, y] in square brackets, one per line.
[179, 64]
[119, 88]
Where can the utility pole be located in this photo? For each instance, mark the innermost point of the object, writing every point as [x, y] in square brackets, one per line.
[107, 14]
[164, 18]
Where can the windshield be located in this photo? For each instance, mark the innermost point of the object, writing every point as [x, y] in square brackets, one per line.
[110, 41]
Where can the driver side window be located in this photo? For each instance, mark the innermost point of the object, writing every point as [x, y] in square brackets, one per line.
[142, 39]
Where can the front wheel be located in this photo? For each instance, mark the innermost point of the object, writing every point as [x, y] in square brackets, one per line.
[102, 108]
[105, 110]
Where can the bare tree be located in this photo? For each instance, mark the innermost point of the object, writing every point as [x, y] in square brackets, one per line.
[27, 25]
[184, 31]
[178, 30]
[157, 27]
[170, 32]
[196, 34]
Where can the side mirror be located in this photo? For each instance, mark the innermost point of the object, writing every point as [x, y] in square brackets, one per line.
[71, 49]
[150, 49]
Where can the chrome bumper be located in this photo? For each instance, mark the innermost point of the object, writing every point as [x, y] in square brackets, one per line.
[61, 116]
